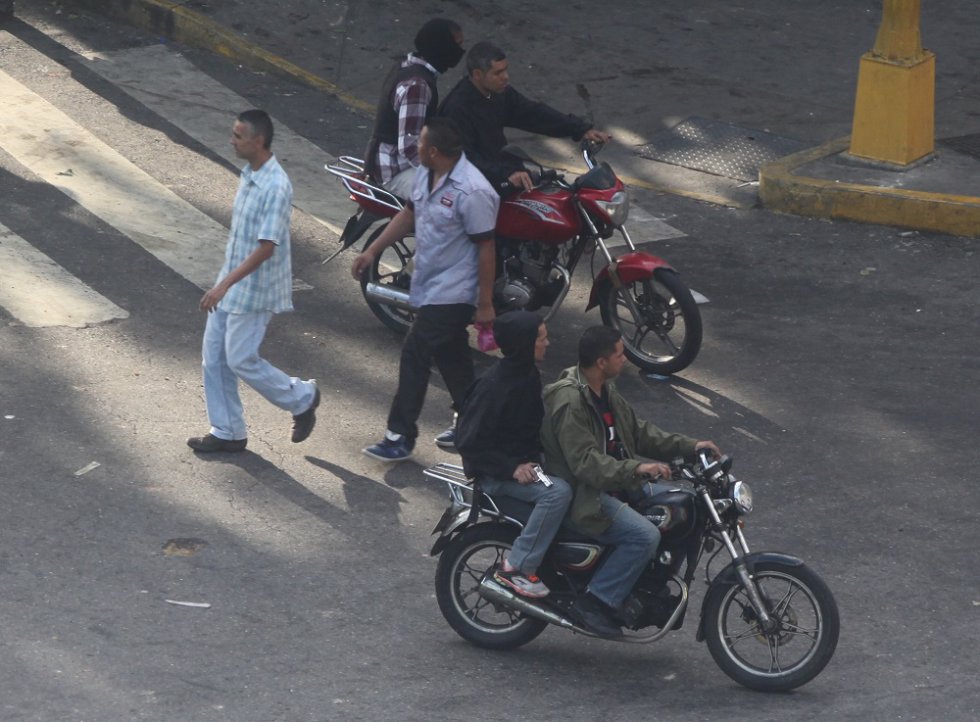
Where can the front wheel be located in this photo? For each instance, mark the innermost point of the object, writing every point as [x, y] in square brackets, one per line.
[391, 269]
[462, 565]
[790, 654]
[659, 320]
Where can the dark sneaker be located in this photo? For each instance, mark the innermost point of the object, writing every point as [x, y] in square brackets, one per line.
[209, 443]
[447, 439]
[527, 585]
[393, 447]
[595, 617]
[303, 423]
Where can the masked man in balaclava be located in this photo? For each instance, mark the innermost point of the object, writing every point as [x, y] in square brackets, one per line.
[408, 97]
[498, 436]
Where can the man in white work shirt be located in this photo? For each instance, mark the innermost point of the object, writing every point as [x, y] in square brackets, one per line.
[453, 210]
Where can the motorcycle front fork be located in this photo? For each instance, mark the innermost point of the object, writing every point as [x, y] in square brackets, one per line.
[738, 559]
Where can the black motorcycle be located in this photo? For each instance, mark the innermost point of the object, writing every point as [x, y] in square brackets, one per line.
[769, 621]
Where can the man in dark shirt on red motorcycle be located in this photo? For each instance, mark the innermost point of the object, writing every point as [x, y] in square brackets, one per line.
[484, 103]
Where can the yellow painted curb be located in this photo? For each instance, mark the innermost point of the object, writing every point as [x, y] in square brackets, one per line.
[780, 189]
[174, 21]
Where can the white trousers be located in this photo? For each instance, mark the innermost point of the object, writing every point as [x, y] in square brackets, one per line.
[231, 352]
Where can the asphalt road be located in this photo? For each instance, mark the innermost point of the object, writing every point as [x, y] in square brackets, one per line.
[839, 366]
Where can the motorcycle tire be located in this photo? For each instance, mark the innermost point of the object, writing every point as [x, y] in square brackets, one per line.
[462, 565]
[393, 268]
[668, 336]
[793, 654]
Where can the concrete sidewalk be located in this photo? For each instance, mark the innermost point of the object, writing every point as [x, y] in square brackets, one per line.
[702, 61]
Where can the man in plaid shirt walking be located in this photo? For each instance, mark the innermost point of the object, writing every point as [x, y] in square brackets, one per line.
[254, 283]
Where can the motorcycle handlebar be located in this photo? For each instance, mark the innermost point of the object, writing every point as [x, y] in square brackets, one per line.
[537, 179]
[590, 149]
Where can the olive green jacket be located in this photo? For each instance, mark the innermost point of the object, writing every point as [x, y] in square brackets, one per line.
[573, 436]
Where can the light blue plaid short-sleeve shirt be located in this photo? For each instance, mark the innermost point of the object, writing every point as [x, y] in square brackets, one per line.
[261, 212]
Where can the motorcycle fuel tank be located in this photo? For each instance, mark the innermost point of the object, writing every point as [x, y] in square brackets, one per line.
[547, 215]
[672, 511]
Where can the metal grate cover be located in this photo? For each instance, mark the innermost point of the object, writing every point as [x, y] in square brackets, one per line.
[716, 147]
[966, 144]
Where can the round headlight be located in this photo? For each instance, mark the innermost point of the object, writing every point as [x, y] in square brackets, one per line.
[742, 496]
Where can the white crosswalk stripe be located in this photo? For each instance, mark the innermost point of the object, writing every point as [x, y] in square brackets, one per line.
[168, 84]
[67, 156]
[645, 228]
[39, 292]
[70, 158]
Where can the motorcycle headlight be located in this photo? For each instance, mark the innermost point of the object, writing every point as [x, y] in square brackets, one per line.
[742, 496]
[616, 208]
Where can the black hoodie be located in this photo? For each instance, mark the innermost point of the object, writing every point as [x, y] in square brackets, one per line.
[500, 423]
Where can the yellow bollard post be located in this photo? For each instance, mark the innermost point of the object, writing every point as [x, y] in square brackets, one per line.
[894, 114]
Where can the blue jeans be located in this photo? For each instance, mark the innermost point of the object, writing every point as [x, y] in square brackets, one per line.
[231, 352]
[634, 539]
[550, 505]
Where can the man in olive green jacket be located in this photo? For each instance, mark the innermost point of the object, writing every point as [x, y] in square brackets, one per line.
[593, 439]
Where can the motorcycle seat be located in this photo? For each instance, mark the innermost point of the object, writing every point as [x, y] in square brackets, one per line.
[521, 511]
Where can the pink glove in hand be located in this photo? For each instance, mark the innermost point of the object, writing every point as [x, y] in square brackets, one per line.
[484, 338]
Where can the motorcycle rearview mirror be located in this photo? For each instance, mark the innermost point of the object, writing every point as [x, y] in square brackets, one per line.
[714, 469]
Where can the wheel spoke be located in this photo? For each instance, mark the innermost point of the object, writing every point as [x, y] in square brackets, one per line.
[780, 607]
[474, 611]
[474, 574]
[749, 633]
[773, 654]
[665, 337]
[797, 631]
[641, 325]
[484, 615]
[639, 335]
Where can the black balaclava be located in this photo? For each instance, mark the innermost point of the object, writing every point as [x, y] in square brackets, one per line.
[434, 42]
[516, 333]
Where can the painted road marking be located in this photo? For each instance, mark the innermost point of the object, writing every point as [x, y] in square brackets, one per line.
[68, 157]
[644, 227]
[172, 87]
[38, 292]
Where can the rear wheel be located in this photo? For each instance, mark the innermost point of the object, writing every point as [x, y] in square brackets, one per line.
[659, 320]
[391, 269]
[799, 645]
[463, 564]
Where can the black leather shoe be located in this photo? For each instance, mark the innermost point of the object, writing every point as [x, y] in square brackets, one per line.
[303, 423]
[594, 617]
[209, 443]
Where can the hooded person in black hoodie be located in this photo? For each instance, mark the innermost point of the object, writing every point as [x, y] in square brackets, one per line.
[498, 436]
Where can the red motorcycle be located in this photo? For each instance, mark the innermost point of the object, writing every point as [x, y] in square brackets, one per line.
[541, 236]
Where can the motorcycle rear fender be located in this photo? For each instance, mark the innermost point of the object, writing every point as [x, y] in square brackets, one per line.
[448, 525]
[729, 576]
[357, 226]
[636, 266]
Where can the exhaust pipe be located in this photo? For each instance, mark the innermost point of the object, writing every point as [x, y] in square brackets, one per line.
[388, 296]
[492, 591]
